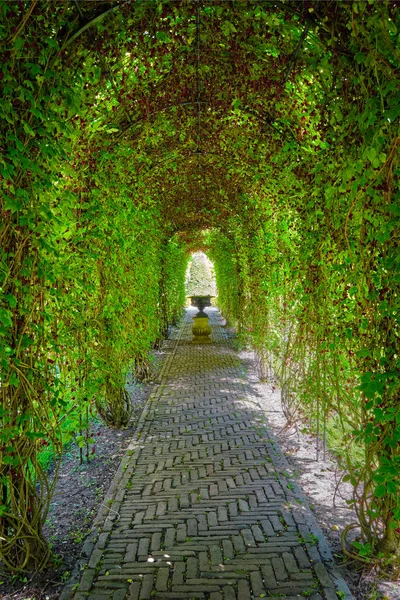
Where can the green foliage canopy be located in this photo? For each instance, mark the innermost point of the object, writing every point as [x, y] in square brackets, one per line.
[126, 130]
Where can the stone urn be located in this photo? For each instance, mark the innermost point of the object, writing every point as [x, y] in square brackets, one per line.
[200, 302]
[201, 329]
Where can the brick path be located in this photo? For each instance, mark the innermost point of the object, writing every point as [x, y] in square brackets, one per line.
[202, 505]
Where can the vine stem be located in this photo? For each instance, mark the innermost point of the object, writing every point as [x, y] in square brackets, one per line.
[387, 161]
[97, 19]
[23, 22]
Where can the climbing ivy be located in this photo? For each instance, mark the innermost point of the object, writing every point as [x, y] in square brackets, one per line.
[127, 130]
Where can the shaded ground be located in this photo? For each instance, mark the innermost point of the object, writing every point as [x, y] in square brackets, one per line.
[203, 504]
[79, 494]
[321, 482]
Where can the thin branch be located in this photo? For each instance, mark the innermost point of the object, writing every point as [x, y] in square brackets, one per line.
[311, 21]
[89, 24]
[23, 22]
[79, 8]
[293, 58]
[157, 112]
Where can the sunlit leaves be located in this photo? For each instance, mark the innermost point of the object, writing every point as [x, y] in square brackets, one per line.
[278, 134]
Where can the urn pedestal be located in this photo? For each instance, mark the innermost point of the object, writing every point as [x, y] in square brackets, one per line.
[201, 329]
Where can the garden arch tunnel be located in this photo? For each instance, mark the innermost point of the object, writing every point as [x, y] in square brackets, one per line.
[262, 131]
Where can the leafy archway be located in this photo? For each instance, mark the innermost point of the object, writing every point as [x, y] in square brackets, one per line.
[128, 128]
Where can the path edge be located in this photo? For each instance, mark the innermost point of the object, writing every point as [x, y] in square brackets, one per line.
[321, 553]
[99, 533]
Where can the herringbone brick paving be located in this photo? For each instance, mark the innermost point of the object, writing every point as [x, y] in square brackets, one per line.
[202, 506]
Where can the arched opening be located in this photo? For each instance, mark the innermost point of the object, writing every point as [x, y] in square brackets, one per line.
[200, 276]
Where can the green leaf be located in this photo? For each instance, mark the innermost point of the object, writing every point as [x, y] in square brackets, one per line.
[227, 28]
[14, 380]
[12, 204]
[6, 318]
[80, 440]
[12, 301]
[18, 43]
[28, 129]
[360, 57]
[26, 341]
[160, 35]
[364, 353]
[35, 69]
[371, 154]
[380, 491]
